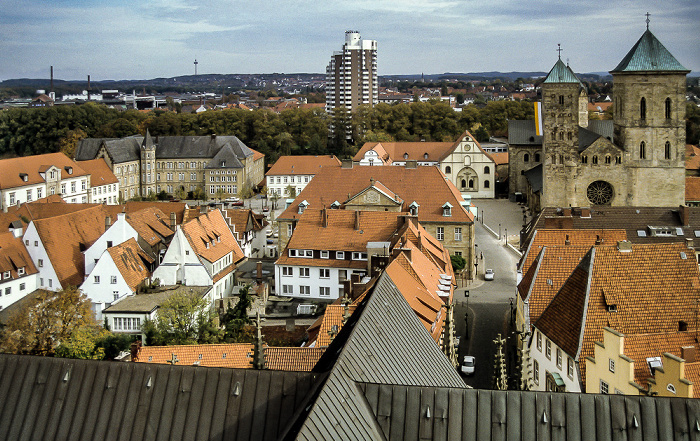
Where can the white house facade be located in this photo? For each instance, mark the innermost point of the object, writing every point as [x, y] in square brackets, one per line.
[18, 275]
[552, 368]
[117, 233]
[48, 278]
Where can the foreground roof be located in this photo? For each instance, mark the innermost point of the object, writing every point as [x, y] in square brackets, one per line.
[54, 398]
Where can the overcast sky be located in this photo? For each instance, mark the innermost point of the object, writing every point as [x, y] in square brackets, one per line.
[143, 39]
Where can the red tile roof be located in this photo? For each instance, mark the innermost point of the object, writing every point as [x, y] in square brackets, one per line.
[14, 255]
[10, 169]
[292, 358]
[234, 355]
[692, 157]
[425, 185]
[151, 224]
[639, 347]
[302, 165]
[211, 238]
[692, 189]
[65, 237]
[100, 173]
[131, 262]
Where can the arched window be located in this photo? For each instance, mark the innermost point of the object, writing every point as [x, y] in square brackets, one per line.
[584, 159]
[464, 183]
[608, 159]
[448, 169]
[643, 109]
[471, 183]
[595, 159]
[554, 135]
[642, 150]
[487, 170]
[667, 150]
[554, 159]
[537, 157]
[570, 136]
[618, 159]
[667, 109]
[487, 184]
[526, 157]
[561, 136]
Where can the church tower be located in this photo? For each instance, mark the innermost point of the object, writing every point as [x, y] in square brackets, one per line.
[649, 122]
[148, 166]
[561, 114]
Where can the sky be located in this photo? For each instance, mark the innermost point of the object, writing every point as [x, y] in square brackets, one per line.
[144, 39]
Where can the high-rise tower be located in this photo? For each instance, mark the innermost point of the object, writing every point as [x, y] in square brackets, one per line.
[351, 75]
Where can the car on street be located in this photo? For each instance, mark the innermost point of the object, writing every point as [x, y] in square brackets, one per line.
[468, 364]
[488, 274]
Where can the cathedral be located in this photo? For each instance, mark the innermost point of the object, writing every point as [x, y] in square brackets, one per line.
[637, 159]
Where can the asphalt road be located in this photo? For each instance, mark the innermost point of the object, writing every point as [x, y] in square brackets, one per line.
[489, 302]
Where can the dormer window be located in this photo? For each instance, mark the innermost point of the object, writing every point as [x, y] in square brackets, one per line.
[447, 209]
[24, 177]
[335, 205]
[6, 275]
[303, 205]
[405, 156]
[413, 208]
[69, 169]
[20, 271]
[425, 156]
[223, 163]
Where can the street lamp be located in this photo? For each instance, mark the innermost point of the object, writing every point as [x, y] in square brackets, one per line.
[466, 314]
[499, 231]
[506, 235]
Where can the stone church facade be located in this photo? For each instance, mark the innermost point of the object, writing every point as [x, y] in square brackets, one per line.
[641, 163]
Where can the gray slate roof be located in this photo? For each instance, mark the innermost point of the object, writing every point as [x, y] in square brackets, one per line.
[147, 302]
[586, 138]
[225, 156]
[469, 414]
[522, 132]
[603, 127]
[534, 178]
[386, 344]
[649, 55]
[56, 399]
[174, 147]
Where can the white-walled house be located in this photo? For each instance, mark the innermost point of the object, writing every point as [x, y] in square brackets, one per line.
[203, 252]
[104, 186]
[28, 178]
[18, 275]
[552, 368]
[295, 172]
[128, 314]
[115, 234]
[118, 273]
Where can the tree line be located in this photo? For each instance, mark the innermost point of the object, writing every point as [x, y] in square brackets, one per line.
[31, 131]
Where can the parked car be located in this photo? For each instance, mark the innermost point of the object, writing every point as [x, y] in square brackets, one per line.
[488, 275]
[468, 364]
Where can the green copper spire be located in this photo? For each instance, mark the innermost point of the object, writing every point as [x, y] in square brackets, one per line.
[649, 55]
[561, 73]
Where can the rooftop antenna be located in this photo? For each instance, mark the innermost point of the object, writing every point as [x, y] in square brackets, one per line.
[195, 65]
[559, 49]
[647, 14]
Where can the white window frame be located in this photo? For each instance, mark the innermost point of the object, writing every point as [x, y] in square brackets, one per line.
[324, 291]
[611, 365]
[548, 349]
[324, 273]
[113, 280]
[288, 289]
[559, 359]
[440, 233]
[340, 255]
[325, 254]
[458, 234]
[304, 272]
[304, 290]
[96, 279]
[287, 271]
[604, 387]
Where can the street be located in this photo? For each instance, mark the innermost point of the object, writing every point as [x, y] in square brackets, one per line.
[489, 301]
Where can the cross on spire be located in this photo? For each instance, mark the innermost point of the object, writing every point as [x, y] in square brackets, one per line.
[648, 14]
[559, 49]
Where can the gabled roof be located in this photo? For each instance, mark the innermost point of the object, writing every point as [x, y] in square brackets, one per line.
[649, 289]
[561, 73]
[174, 147]
[147, 302]
[523, 132]
[425, 185]
[639, 347]
[31, 167]
[211, 238]
[241, 220]
[603, 127]
[65, 237]
[649, 55]
[534, 178]
[225, 158]
[151, 224]
[229, 355]
[301, 165]
[57, 398]
[99, 171]
[415, 151]
[14, 255]
[40, 209]
[692, 189]
[292, 358]
[131, 261]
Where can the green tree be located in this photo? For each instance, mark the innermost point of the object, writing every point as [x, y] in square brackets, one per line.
[236, 317]
[82, 343]
[183, 319]
[458, 262]
[48, 321]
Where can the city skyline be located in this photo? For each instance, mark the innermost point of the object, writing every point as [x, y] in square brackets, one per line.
[134, 40]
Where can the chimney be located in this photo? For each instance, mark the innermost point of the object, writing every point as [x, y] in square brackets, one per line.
[597, 239]
[684, 212]
[324, 218]
[173, 220]
[586, 213]
[412, 164]
[371, 181]
[688, 354]
[567, 241]
[135, 348]
[88, 89]
[108, 222]
[689, 242]
[346, 163]
[357, 220]
[566, 211]
[258, 277]
[51, 89]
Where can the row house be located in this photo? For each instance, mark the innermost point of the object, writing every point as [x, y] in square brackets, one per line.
[18, 275]
[295, 172]
[145, 165]
[203, 252]
[249, 230]
[28, 178]
[104, 186]
[421, 191]
[464, 162]
[630, 288]
[119, 272]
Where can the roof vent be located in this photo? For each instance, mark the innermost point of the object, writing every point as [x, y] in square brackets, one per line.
[654, 363]
[683, 255]
[624, 246]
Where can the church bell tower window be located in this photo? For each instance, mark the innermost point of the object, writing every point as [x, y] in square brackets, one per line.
[667, 108]
[643, 109]
[642, 150]
[667, 150]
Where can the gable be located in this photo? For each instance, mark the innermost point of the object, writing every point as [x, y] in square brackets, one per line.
[372, 197]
